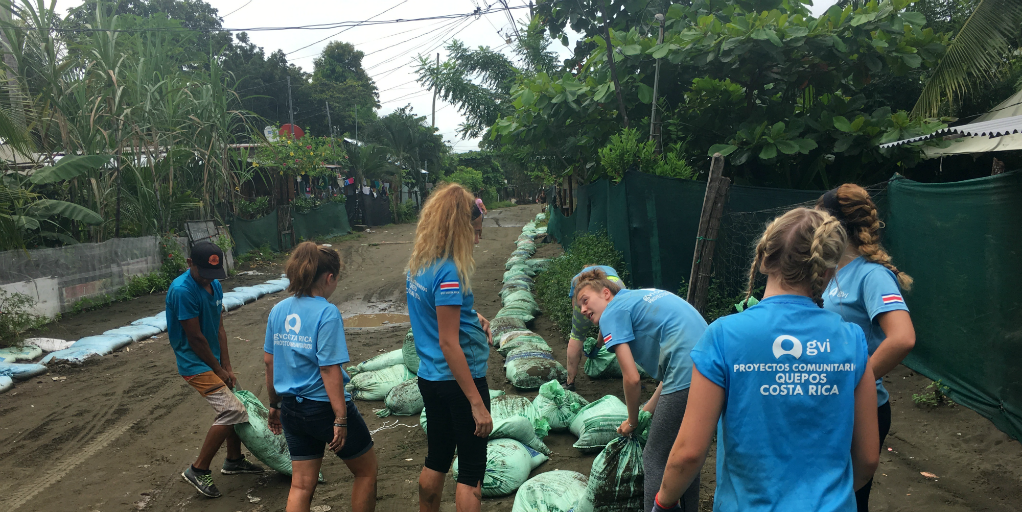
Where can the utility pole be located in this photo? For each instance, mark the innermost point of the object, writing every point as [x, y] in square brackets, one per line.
[611, 68]
[433, 102]
[330, 129]
[13, 87]
[656, 133]
[291, 111]
[357, 125]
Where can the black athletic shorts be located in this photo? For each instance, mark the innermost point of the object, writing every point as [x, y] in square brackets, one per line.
[450, 425]
[309, 427]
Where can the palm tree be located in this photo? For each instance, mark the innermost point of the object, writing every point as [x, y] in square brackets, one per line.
[980, 47]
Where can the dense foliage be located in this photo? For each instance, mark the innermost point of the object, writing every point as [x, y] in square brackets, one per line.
[552, 285]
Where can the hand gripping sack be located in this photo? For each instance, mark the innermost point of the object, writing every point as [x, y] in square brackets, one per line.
[553, 491]
[602, 363]
[617, 477]
[509, 463]
[409, 355]
[403, 400]
[256, 436]
[596, 423]
[507, 406]
[532, 369]
[557, 405]
[378, 362]
[375, 384]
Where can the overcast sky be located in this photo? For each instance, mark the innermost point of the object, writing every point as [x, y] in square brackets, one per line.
[390, 49]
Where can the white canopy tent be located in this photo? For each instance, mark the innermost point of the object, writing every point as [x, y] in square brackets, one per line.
[998, 129]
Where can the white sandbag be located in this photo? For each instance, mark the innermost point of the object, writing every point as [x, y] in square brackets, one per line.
[248, 293]
[403, 400]
[137, 332]
[267, 288]
[377, 362]
[21, 371]
[509, 463]
[232, 301]
[88, 347]
[283, 282]
[71, 355]
[15, 354]
[596, 423]
[159, 321]
[376, 384]
[553, 491]
[49, 344]
[6, 383]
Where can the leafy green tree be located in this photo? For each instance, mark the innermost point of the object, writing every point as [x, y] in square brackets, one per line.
[470, 178]
[339, 79]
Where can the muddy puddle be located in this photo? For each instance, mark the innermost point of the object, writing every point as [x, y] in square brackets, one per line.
[375, 320]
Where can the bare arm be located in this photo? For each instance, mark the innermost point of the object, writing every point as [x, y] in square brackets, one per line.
[225, 357]
[865, 430]
[197, 342]
[274, 416]
[334, 384]
[630, 386]
[703, 408]
[448, 333]
[653, 402]
[899, 341]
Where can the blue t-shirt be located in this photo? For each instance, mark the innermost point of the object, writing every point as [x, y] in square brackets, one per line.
[303, 334]
[186, 299]
[789, 370]
[438, 285]
[859, 293]
[660, 329]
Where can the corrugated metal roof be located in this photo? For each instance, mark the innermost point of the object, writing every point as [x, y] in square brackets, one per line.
[993, 128]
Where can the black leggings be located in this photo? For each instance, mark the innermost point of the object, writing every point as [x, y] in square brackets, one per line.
[450, 425]
[884, 422]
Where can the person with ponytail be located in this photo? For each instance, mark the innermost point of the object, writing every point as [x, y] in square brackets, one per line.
[867, 292]
[303, 353]
[784, 384]
[453, 343]
[656, 330]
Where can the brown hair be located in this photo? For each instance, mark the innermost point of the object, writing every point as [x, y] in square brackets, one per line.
[445, 231]
[596, 280]
[852, 205]
[307, 263]
[800, 247]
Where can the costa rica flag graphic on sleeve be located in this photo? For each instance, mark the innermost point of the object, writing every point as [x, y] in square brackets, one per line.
[450, 286]
[892, 298]
[608, 338]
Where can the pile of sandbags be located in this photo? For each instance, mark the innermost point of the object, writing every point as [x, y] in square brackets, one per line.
[376, 384]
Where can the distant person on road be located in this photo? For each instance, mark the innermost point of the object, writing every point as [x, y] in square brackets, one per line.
[656, 330]
[582, 328]
[478, 218]
[866, 291]
[303, 353]
[453, 342]
[785, 386]
[196, 332]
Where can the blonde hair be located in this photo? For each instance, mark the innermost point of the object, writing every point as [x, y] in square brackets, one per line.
[596, 280]
[445, 231]
[800, 247]
[306, 264]
[853, 206]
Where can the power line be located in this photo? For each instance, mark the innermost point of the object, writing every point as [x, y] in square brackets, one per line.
[236, 10]
[349, 28]
[357, 45]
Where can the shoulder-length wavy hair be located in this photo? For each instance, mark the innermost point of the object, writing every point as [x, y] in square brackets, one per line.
[445, 231]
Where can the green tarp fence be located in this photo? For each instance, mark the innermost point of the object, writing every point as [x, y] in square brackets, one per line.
[960, 241]
[329, 219]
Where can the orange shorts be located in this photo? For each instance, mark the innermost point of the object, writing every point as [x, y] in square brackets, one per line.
[230, 410]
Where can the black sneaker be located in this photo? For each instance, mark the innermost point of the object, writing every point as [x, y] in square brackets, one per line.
[202, 482]
[236, 467]
[570, 387]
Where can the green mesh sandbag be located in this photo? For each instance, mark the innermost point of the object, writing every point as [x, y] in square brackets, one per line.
[520, 429]
[512, 342]
[509, 463]
[531, 370]
[528, 350]
[379, 362]
[403, 400]
[501, 326]
[552, 491]
[519, 295]
[538, 265]
[270, 449]
[375, 384]
[409, 355]
[602, 363]
[507, 406]
[515, 260]
[616, 480]
[516, 313]
[596, 423]
[558, 405]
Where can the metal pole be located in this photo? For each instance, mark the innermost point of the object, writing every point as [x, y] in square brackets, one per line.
[291, 111]
[657, 75]
[357, 126]
[433, 103]
[330, 130]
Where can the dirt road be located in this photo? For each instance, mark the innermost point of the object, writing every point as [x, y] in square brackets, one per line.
[116, 432]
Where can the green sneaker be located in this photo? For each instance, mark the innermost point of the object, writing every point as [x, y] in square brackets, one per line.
[236, 467]
[202, 483]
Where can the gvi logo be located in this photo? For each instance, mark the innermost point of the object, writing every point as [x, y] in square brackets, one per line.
[796, 351]
[289, 326]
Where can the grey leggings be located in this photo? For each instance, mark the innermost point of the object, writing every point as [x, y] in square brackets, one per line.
[664, 428]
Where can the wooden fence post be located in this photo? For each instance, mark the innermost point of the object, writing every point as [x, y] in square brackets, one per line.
[707, 231]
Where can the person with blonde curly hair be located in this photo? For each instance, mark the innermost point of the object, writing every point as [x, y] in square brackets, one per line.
[867, 292]
[453, 343]
[785, 384]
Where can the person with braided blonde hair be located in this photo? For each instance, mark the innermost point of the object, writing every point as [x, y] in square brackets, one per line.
[866, 291]
[787, 385]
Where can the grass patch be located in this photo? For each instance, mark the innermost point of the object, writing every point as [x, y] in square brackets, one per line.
[720, 301]
[258, 257]
[16, 316]
[502, 204]
[552, 285]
